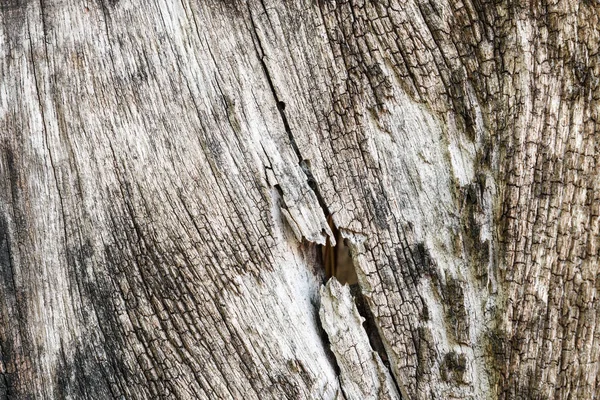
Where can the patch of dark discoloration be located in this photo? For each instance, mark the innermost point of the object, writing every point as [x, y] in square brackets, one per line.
[456, 313]
[285, 384]
[13, 174]
[215, 151]
[475, 249]
[232, 8]
[425, 312]
[495, 344]
[296, 366]
[99, 365]
[78, 256]
[419, 264]
[453, 367]
[12, 17]
[108, 3]
[465, 111]
[422, 258]
[379, 205]
[425, 348]
[6, 377]
[7, 289]
[6, 267]
[82, 376]
[10, 310]
[11, 5]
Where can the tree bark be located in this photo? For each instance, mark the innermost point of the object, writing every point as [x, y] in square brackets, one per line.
[179, 179]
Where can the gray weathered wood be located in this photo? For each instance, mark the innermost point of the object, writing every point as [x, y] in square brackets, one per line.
[169, 173]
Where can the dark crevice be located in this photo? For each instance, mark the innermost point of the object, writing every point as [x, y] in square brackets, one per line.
[370, 326]
[312, 183]
[336, 259]
[303, 163]
[330, 253]
[325, 340]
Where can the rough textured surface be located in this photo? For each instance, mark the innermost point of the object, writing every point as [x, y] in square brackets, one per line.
[363, 375]
[168, 172]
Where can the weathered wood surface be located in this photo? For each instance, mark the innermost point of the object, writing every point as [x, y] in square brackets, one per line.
[167, 170]
[363, 376]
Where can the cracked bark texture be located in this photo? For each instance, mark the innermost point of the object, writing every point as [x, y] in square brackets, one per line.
[363, 375]
[168, 169]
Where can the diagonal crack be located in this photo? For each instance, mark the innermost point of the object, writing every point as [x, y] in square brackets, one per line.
[370, 324]
[302, 162]
[312, 183]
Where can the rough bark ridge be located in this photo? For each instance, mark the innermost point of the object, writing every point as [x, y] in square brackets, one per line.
[167, 171]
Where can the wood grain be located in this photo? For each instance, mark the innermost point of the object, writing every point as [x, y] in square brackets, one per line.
[167, 171]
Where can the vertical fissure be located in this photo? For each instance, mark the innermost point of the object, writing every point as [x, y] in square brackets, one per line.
[312, 183]
[302, 162]
[336, 259]
[370, 326]
[338, 263]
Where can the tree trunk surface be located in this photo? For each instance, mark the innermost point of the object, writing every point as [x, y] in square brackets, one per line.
[179, 179]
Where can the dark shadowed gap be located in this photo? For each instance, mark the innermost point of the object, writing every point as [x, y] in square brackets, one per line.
[337, 262]
[370, 326]
[337, 259]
